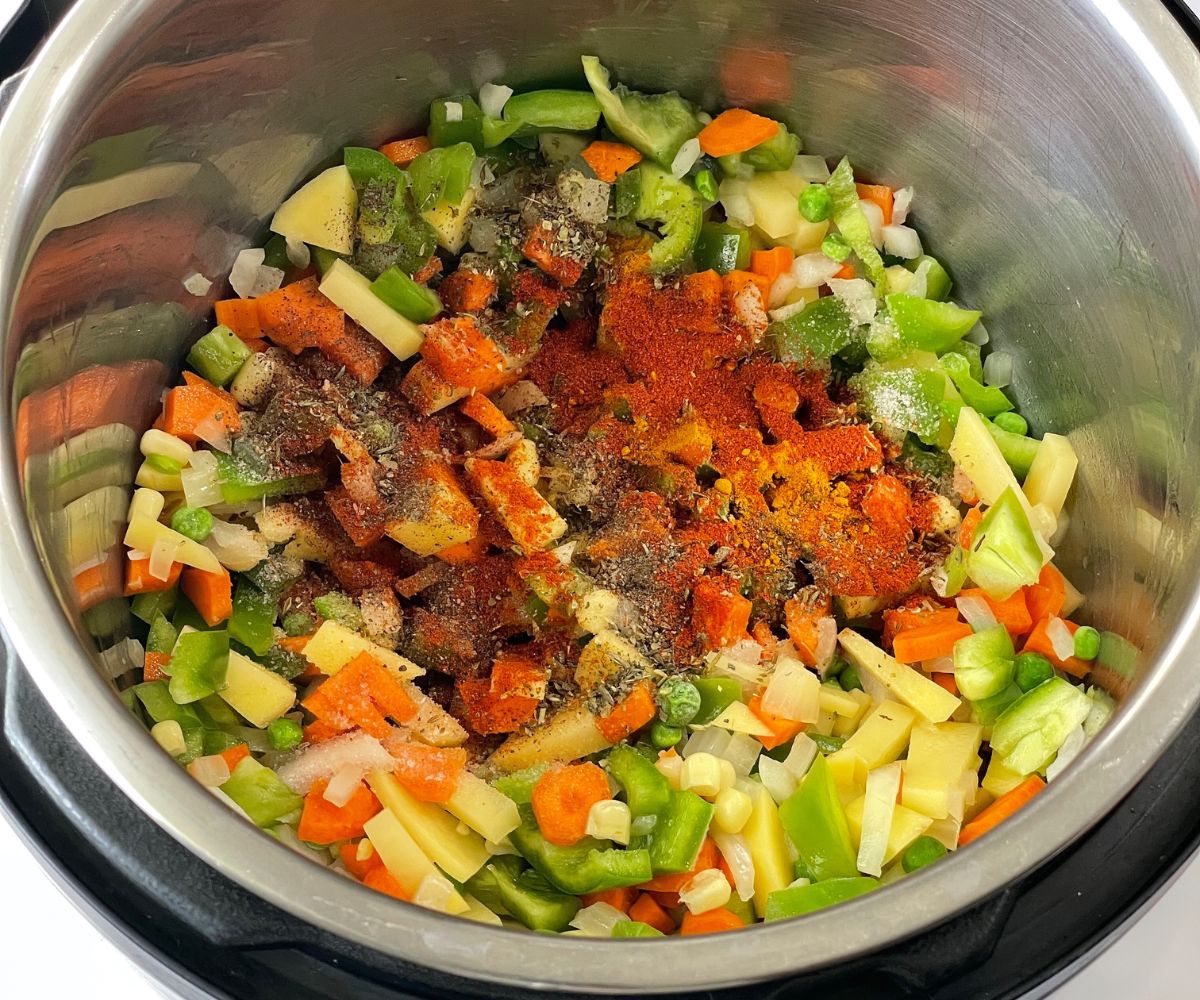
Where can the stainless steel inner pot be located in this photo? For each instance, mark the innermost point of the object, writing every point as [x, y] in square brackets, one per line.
[1055, 149]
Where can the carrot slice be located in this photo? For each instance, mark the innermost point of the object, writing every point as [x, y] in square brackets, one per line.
[152, 668]
[211, 593]
[1001, 809]
[488, 711]
[1046, 597]
[927, 642]
[319, 732]
[735, 131]
[563, 797]
[646, 909]
[539, 248]
[1039, 642]
[631, 713]
[609, 160]
[620, 899]
[966, 530]
[846, 272]
[946, 682]
[772, 263]
[463, 355]
[235, 755]
[381, 880]
[139, 581]
[487, 414]
[467, 291]
[881, 195]
[782, 729]
[403, 151]
[896, 620]
[735, 281]
[431, 774]
[801, 619]
[298, 316]
[360, 695]
[359, 869]
[712, 922]
[719, 613]
[241, 316]
[321, 822]
[196, 402]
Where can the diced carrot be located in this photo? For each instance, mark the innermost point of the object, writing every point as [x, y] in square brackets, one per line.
[846, 272]
[719, 613]
[152, 667]
[319, 731]
[928, 642]
[381, 880]
[966, 530]
[1039, 642]
[619, 899]
[321, 822]
[631, 713]
[102, 581]
[1046, 597]
[1001, 809]
[464, 552]
[350, 346]
[487, 414]
[761, 633]
[881, 195]
[257, 345]
[946, 681]
[139, 581]
[647, 910]
[360, 695]
[539, 248]
[802, 618]
[294, 643]
[706, 858]
[196, 402]
[365, 524]
[429, 270]
[735, 131]
[562, 798]
[211, 593]
[403, 151]
[431, 774]
[298, 316]
[896, 620]
[609, 160]
[488, 712]
[1012, 613]
[782, 729]
[235, 755]
[462, 354]
[735, 281]
[772, 263]
[517, 675]
[667, 900]
[359, 869]
[710, 922]
[467, 291]
[241, 316]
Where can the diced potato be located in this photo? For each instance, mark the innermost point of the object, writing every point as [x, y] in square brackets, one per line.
[526, 515]
[849, 773]
[847, 725]
[432, 723]
[906, 827]
[852, 608]
[254, 692]
[333, 646]
[567, 735]
[491, 814]
[143, 532]
[774, 202]
[883, 735]
[1000, 780]
[156, 479]
[351, 292]
[524, 458]
[975, 451]
[460, 854]
[606, 655]
[402, 856]
[938, 755]
[767, 841]
[447, 515]
[322, 212]
[738, 718]
[902, 682]
[839, 702]
[1051, 473]
[450, 221]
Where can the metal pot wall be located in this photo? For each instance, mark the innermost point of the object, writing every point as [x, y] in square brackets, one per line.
[1056, 152]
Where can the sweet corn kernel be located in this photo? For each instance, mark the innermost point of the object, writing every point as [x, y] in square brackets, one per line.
[728, 774]
[701, 774]
[609, 820]
[169, 736]
[733, 808]
[704, 891]
[670, 766]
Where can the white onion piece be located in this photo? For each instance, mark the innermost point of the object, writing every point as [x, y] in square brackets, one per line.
[800, 758]
[784, 312]
[998, 369]
[859, 296]
[245, 270]
[874, 216]
[976, 612]
[492, 98]
[736, 203]
[918, 288]
[793, 693]
[900, 241]
[977, 335]
[213, 432]
[201, 487]
[211, 771]
[523, 396]
[813, 269]
[162, 557]
[124, 656]
[742, 752]
[744, 651]
[298, 254]
[1060, 638]
[686, 158]
[197, 284]
[236, 547]
[938, 665]
[826, 643]
[736, 852]
[343, 785]
[1071, 748]
[598, 920]
[324, 760]
[711, 740]
[564, 553]
[454, 111]
[813, 169]
[781, 288]
[883, 786]
[901, 201]
[776, 779]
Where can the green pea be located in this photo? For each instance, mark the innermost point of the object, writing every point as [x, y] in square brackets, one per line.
[835, 248]
[195, 523]
[849, 679]
[815, 203]
[285, 734]
[663, 736]
[921, 852]
[706, 184]
[1012, 422]
[1087, 643]
[296, 623]
[1032, 669]
[678, 701]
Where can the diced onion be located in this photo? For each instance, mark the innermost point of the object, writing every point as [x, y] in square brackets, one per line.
[1071, 748]
[434, 892]
[454, 111]
[598, 920]
[485, 233]
[214, 433]
[998, 369]
[901, 202]
[791, 309]
[976, 612]
[883, 785]
[826, 643]
[781, 288]
[201, 488]
[298, 254]
[236, 547]
[793, 692]
[197, 284]
[343, 785]
[776, 778]
[1060, 638]
[492, 98]
[812, 168]
[977, 335]
[686, 158]
[736, 852]
[918, 288]
[813, 269]
[745, 651]
[742, 752]
[211, 771]
[874, 216]
[736, 202]
[900, 241]
[324, 760]
[586, 197]
[564, 553]
[859, 296]
[938, 665]
[162, 556]
[711, 740]
[749, 674]
[250, 276]
[800, 757]
[122, 657]
[525, 395]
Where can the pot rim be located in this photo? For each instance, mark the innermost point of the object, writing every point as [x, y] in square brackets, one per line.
[30, 613]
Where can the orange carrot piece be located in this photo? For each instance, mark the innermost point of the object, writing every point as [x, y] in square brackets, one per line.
[719, 612]
[881, 195]
[966, 530]
[708, 857]
[467, 291]
[620, 899]
[735, 281]
[772, 263]
[646, 909]
[801, 621]
[190, 405]
[1012, 613]
[139, 581]
[152, 668]
[896, 620]
[464, 552]
[846, 272]
[349, 345]
[403, 151]
[381, 880]
[631, 713]
[430, 774]
[241, 316]
[1001, 809]
[539, 248]
[321, 822]
[490, 712]
[712, 922]
[735, 131]
[235, 755]
[319, 731]
[1046, 597]
[359, 869]
[1039, 642]
[516, 675]
[294, 643]
[928, 642]
[946, 681]
[462, 354]
[562, 799]
[298, 316]
[487, 415]
[360, 695]
[609, 160]
[782, 729]
[211, 593]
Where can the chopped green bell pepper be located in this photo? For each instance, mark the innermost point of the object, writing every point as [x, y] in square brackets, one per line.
[665, 199]
[411, 300]
[367, 165]
[284, 662]
[937, 280]
[929, 325]
[243, 480]
[275, 253]
[162, 635]
[215, 714]
[722, 247]
[678, 835]
[777, 153]
[986, 711]
[467, 128]
[984, 663]
[907, 399]
[275, 574]
[583, 867]
[518, 785]
[819, 331]
[816, 823]
[1033, 728]
[852, 223]
[260, 793]
[218, 355]
[442, 174]
[338, 607]
[634, 929]
[147, 607]
[553, 110]
[197, 665]
[1017, 449]
[161, 707]
[1004, 554]
[986, 399]
[716, 695]
[528, 898]
[252, 622]
[217, 741]
[647, 791]
[797, 900]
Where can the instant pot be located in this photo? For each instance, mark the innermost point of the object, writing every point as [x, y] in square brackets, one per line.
[1056, 152]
